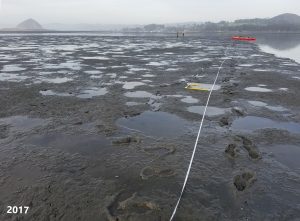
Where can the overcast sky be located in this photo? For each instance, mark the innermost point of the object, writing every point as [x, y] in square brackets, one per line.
[140, 11]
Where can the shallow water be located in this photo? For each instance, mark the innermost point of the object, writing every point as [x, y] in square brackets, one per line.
[12, 77]
[148, 75]
[282, 45]
[139, 94]
[92, 92]
[258, 103]
[12, 68]
[289, 53]
[189, 100]
[84, 144]
[132, 85]
[252, 123]
[133, 104]
[262, 104]
[22, 122]
[57, 80]
[96, 58]
[157, 124]
[258, 89]
[53, 93]
[211, 111]
[92, 72]
[288, 155]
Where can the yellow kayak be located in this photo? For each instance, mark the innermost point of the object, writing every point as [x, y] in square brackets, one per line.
[196, 87]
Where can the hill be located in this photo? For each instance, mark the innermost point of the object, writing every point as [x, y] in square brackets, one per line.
[286, 19]
[29, 24]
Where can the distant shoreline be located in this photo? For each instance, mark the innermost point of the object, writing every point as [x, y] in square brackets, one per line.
[134, 32]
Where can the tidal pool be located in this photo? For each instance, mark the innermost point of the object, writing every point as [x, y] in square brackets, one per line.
[157, 124]
[92, 92]
[139, 94]
[53, 93]
[258, 89]
[22, 122]
[132, 85]
[12, 68]
[211, 111]
[189, 100]
[252, 123]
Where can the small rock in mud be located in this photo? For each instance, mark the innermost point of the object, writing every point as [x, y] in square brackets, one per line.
[231, 150]
[243, 181]
[126, 140]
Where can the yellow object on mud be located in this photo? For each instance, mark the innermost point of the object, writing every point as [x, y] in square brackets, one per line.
[196, 87]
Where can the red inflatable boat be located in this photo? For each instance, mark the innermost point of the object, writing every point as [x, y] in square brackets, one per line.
[241, 38]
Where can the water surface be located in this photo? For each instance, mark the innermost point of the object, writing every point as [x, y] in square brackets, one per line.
[281, 45]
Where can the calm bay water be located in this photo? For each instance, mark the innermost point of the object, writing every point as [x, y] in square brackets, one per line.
[281, 45]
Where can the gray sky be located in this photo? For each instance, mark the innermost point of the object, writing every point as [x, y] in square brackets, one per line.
[140, 11]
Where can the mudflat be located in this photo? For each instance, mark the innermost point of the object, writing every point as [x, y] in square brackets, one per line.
[102, 128]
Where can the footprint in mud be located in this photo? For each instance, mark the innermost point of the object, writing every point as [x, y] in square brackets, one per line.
[4, 131]
[149, 172]
[126, 140]
[160, 151]
[124, 204]
[224, 121]
[105, 129]
[231, 150]
[245, 180]
[229, 87]
[250, 147]
[229, 90]
[166, 173]
[226, 79]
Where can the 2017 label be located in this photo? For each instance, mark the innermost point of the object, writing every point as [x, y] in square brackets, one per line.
[17, 209]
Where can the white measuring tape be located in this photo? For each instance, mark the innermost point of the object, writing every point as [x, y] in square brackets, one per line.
[196, 143]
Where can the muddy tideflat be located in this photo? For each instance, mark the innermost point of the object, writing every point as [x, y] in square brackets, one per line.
[99, 127]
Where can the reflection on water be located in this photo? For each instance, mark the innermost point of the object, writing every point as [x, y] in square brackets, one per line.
[282, 45]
